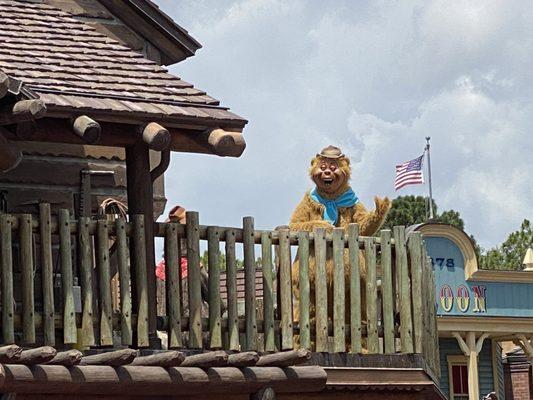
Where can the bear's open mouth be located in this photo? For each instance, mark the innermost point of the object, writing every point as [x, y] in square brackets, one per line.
[327, 181]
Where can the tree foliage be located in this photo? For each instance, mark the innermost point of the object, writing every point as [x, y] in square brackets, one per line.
[411, 210]
[510, 254]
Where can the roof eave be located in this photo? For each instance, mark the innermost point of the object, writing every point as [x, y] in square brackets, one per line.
[179, 43]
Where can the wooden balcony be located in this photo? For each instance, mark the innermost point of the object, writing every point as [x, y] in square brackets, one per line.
[56, 290]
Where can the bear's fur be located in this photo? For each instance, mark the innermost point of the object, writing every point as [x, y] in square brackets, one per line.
[309, 215]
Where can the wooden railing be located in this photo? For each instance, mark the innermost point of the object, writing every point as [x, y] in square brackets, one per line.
[398, 317]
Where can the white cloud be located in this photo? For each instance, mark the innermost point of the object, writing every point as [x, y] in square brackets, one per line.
[376, 78]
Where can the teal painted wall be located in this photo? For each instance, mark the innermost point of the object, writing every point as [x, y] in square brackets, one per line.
[503, 299]
[450, 347]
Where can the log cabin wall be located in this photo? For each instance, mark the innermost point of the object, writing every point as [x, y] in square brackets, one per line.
[52, 174]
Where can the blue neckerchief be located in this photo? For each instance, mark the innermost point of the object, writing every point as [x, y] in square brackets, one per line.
[331, 206]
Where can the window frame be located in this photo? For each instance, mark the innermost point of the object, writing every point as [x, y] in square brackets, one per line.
[452, 360]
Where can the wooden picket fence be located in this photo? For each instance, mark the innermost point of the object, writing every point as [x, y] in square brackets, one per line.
[400, 293]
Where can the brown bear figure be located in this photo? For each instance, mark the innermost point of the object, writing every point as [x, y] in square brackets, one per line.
[333, 204]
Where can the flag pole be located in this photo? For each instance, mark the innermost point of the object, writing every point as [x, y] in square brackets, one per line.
[426, 149]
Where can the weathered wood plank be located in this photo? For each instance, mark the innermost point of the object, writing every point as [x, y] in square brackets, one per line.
[413, 243]
[231, 288]
[112, 358]
[141, 280]
[67, 358]
[172, 268]
[371, 296]
[249, 283]
[85, 259]
[6, 262]
[67, 282]
[26, 263]
[213, 260]
[285, 290]
[244, 359]
[268, 291]
[339, 344]
[166, 359]
[305, 290]
[387, 293]
[39, 355]
[10, 353]
[124, 277]
[193, 279]
[104, 280]
[355, 289]
[47, 279]
[284, 358]
[406, 338]
[216, 358]
[321, 292]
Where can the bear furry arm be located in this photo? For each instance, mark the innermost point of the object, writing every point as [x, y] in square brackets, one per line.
[370, 222]
[301, 218]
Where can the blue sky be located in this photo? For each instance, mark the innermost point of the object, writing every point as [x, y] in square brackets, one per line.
[374, 78]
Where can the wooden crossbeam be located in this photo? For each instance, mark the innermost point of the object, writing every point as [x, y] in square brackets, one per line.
[156, 136]
[22, 111]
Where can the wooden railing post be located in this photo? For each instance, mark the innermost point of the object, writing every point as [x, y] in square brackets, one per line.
[6, 265]
[67, 282]
[387, 293]
[406, 338]
[355, 289]
[321, 292]
[47, 277]
[304, 286]
[249, 283]
[213, 260]
[26, 263]
[139, 244]
[285, 290]
[339, 341]
[268, 291]
[371, 296]
[172, 279]
[231, 289]
[414, 242]
[193, 280]
[86, 275]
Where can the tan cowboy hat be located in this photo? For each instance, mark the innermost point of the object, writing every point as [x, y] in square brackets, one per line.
[330, 152]
[176, 214]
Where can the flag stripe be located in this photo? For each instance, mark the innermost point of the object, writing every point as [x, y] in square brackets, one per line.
[409, 173]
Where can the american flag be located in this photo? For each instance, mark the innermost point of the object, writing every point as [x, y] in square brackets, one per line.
[409, 173]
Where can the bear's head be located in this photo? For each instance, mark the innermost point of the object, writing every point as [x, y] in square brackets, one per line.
[330, 171]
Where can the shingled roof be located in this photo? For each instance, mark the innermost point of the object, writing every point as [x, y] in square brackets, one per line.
[75, 69]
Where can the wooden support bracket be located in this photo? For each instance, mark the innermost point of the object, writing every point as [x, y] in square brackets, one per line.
[155, 136]
[87, 129]
[462, 344]
[525, 344]
[22, 111]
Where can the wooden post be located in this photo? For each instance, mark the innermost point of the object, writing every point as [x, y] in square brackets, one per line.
[404, 292]
[67, 282]
[47, 276]
[339, 341]
[172, 268]
[387, 293]
[355, 289]
[471, 349]
[213, 260]
[414, 242]
[305, 290]
[193, 279]
[286, 289]
[141, 201]
[321, 291]
[141, 281]
[231, 288]
[268, 291]
[26, 262]
[104, 281]
[249, 283]
[124, 281]
[371, 296]
[85, 259]
[6, 263]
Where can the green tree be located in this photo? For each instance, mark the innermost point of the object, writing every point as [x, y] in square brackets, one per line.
[411, 210]
[221, 260]
[510, 254]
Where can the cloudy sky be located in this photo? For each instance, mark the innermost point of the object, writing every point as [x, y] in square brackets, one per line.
[375, 78]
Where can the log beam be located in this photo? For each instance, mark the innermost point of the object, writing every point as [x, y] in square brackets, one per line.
[10, 353]
[111, 358]
[244, 359]
[284, 358]
[66, 358]
[10, 156]
[22, 111]
[217, 358]
[215, 141]
[155, 136]
[86, 128]
[166, 359]
[4, 84]
[157, 381]
[39, 355]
